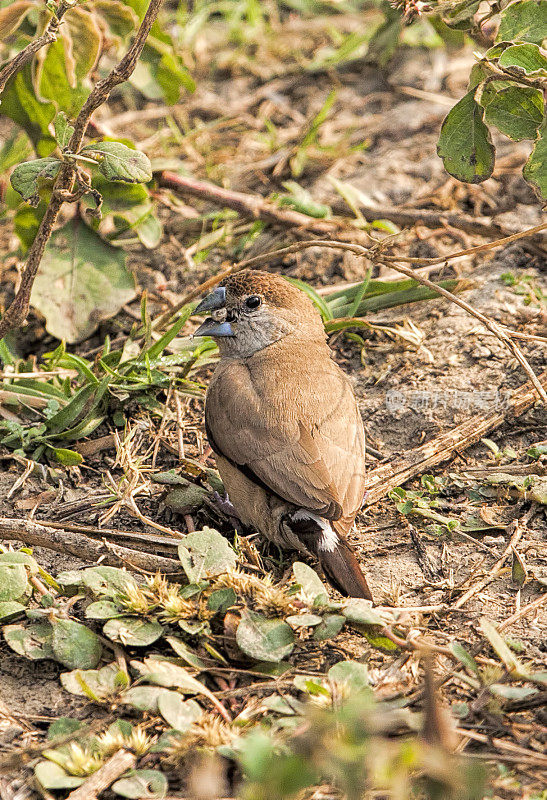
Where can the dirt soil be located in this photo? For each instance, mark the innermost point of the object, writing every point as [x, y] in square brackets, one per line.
[408, 391]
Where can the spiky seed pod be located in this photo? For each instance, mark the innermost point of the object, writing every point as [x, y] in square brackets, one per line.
[261, 592]
[208, 734]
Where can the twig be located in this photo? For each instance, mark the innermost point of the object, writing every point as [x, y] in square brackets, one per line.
[26, 54]
[252, 205]
[63, 541]
[539, 758]
[431, 219]
[16, 313]
[522, 612]
[255, 206]
[265, 258]
[519, 528]
[119, 763]
[382, 479]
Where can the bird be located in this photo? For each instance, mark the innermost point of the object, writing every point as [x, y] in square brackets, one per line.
[283, 422]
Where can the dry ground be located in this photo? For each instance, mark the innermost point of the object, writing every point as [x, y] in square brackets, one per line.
[408, 392]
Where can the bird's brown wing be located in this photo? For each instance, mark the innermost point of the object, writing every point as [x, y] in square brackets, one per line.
[293, 427]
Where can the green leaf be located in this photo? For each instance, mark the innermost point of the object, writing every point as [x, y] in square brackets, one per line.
[172, 77]
[83, 36]
[144, 698]
[133, 631]
[10, 610]
[20, 103]
[510, 661]
[528, 57]
[165, 673]
[81, 281]
[205, 553]
[100, 580]
[68, 458]
[526, 21]
[518, 570]
[118, 162]
[103, 609]
[352, 673]
[464, 143]
[52, 776]
[361, 612]
[312, 585]
[63, 726]
[142, 784]
[55, 77]
[464, 657]
[222, 599]
[303, 620]
[63, 130]
[512, 692]
[330, 627]
[535, 169]
[264, 639]
[95, 684]
[31, 641]
[180, 714]
[13, 581]
[516, 111]
[120, 18]
[20, 557]
[75, 646]
[186, 653]
[461, 12]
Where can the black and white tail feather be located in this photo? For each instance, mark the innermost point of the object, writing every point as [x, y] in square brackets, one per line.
[334, 554]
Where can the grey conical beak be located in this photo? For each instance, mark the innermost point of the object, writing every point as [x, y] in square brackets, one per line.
[213, 301]
[213, 328]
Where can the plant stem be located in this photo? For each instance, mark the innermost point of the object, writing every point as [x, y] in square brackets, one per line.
[16, 313]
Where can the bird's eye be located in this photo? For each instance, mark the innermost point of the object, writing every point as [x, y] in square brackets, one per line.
[253, 302]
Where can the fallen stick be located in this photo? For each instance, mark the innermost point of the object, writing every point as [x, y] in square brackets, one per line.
[119, 763]
[63, 541]
[256, 206]
[519, 526]
[252, 205]
[430, 219]
[442, 448]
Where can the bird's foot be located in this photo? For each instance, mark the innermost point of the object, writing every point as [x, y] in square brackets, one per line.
[223, 504]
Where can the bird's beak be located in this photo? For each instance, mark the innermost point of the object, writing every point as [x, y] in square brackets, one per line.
[213, 301]
[213, 327]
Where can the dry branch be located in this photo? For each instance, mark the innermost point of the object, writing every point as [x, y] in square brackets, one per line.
[256, 206]
[252, 205]
[431, 219]
[519, 526]
[119, 763]
[16, 313]
[75, 544]
[442, 448]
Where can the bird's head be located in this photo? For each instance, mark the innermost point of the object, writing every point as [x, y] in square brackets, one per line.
[253, 309]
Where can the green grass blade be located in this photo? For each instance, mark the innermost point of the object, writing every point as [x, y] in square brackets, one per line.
[316, 299]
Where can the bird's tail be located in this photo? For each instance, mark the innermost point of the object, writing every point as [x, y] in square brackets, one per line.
[343, 570]
[335, 555]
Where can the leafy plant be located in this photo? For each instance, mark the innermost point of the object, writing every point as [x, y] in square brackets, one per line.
[80, 394]
[47, 88]
[505, 91]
